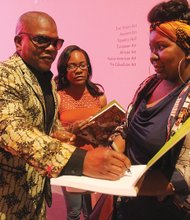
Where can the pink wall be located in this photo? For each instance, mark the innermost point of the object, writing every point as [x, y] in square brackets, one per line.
[114, 33]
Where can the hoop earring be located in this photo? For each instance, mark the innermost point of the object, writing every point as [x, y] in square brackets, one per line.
[150, 70]
[179, 70]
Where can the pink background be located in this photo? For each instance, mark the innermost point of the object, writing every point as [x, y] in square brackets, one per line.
[113, 32]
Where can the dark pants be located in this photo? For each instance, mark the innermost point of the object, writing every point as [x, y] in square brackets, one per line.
[148, 208]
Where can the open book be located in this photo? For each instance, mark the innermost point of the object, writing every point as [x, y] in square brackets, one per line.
[106, 120]
[127, 185]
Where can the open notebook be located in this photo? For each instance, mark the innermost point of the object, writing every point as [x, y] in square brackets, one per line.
[126, 186]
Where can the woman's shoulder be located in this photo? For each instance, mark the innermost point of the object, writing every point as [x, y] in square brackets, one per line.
[103, 100]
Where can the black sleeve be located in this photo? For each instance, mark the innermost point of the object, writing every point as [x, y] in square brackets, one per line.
[75, 164]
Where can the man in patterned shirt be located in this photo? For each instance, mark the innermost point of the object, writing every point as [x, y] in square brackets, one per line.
[29, 156]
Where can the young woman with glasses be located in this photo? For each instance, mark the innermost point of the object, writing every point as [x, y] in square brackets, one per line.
[80, 98]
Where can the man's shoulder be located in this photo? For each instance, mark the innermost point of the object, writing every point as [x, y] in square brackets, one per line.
[12, 65]
[11, 62]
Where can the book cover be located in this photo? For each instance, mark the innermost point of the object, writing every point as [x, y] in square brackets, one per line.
[106, 120]
[128, 185]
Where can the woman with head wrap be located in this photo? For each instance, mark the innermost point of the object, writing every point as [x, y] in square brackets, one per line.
[159, 107]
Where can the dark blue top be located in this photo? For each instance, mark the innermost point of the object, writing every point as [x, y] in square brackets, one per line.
[148, 128]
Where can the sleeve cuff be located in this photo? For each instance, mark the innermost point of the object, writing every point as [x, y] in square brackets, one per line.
[75, 164]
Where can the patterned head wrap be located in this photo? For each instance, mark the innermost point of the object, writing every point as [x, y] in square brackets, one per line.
[177, 31]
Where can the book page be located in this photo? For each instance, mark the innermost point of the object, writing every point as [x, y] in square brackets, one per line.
[123, 187]
[108, 106]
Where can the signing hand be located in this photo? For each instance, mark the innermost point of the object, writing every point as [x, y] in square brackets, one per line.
[104, 163]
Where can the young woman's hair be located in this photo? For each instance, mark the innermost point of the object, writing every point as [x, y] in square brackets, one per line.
[61, 79]
[169, 11]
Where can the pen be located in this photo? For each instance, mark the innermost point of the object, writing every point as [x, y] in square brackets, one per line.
[114, 147]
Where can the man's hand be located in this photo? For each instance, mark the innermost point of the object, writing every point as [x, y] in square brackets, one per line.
[104, 163]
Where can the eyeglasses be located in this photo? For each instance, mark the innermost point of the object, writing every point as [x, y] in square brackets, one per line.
[74, 66]
[42, 41]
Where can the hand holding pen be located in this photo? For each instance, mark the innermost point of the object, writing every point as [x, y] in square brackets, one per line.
[104, 163]
[127, 162]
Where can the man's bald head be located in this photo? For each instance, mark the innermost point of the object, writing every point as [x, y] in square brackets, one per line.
[33, 29]
[29, 19]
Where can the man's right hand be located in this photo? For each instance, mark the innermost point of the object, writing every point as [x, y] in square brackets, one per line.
[104, 163]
